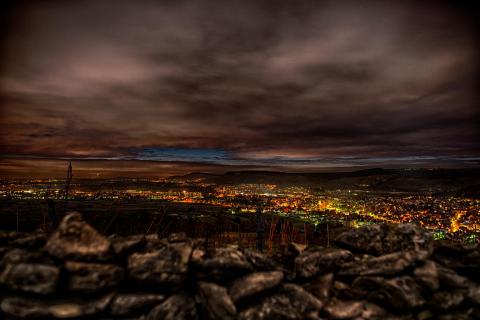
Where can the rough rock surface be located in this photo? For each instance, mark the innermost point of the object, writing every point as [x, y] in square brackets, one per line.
[312, 262]
[75, 239]
[178, 306]
[382, 239]
[215, 301]
[379, 272]
[290, 302]
[260, 261]
[130, 304]
[254, 283]
[459, 257]
[321, 286]
[166, 266]
[17, 307]
[223, 263]
[28, 277]
[338, 309]
[391, 263]
[92, 277]
[126, 245]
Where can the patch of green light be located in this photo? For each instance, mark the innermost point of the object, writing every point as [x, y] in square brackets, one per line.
[471, 239]
[439, 235]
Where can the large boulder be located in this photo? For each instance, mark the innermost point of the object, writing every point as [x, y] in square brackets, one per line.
[123, 246]
[215, 302]
[30, 241]
[177, 307]
[400, 293]
[23, 308]
[177, 237]
[444, 300]
[17, 255]
[222, 264]
[92, 277]
[290, 302]
[427, 275]
[31, 277]
[386, 238]
[254, 283]
[343, 290]
[366, 239]
[338, 309]
[450, 279]
[388, 264]
[260, 261]
[312, 262]
[473, 294]
[7, 237]
[165, 267]
[321, 286]
[464, 259]
[74, 239]
[374, 311]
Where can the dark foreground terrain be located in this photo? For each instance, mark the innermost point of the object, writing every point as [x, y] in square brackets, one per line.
[376, 272]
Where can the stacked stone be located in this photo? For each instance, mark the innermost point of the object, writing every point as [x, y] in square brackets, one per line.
[376, 272]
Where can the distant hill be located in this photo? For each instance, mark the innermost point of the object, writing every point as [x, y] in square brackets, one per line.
[472, 192]
[377, 179]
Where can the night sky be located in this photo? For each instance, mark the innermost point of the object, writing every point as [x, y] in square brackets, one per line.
[167, 87]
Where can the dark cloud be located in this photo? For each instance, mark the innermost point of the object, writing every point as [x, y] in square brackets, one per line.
[269, 81]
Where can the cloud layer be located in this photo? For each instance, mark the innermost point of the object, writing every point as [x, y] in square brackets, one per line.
[239, 81]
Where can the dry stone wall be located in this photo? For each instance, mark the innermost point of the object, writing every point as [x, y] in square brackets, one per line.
[375, 272]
